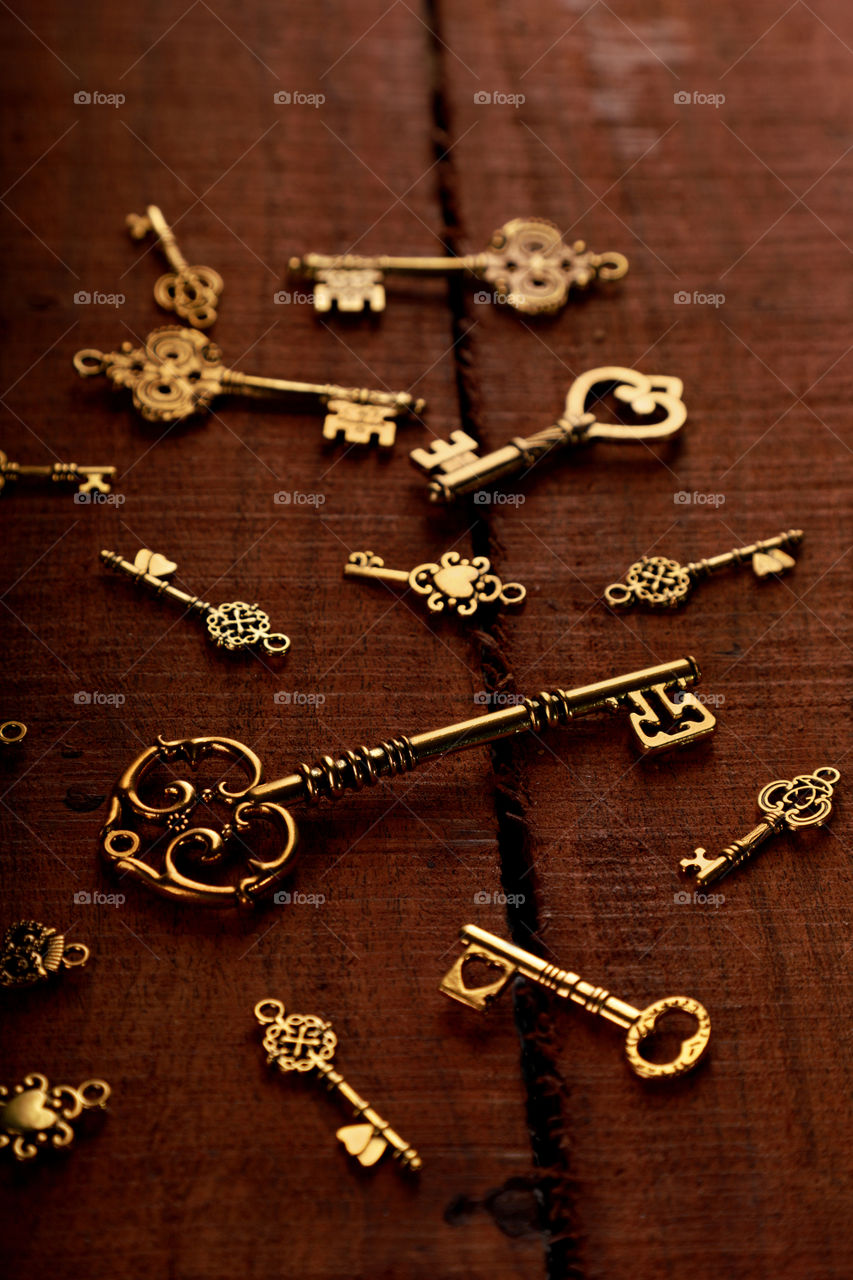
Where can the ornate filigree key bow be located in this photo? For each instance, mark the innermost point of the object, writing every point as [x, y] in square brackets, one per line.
[192, 292]
[34, 1115]
[31, 952]
[454, 583]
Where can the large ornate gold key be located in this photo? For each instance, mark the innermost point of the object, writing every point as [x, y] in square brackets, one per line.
[302, 1043]
[180, 372]
[84, 479]
[527, 262]
[191, 292]
[192, 852]
[453, 584]
[34, 1115]
[805, 801]
[455, 468]
[639, 1023]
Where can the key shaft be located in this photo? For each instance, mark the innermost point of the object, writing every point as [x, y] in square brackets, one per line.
[87, 479]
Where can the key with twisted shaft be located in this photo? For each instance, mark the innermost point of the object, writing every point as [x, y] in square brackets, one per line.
[180, 372]
[304, 1043]
[527, 262]
[455, 468]
[660, 707]
[454, 584]
[84, 479]
[804, 801]
[191, 292]
[640, 1024]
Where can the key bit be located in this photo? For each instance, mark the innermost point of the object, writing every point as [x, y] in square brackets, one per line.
[454, 584]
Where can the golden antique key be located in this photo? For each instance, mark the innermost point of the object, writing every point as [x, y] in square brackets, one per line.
[659, 583]
[30, 952]
[459, 585]
[231, 626]
[84, 479]
[455, 468]
[180, 372]
[661, 711]
[34, 1116]
[639, 1023]
[527, 262]
[303, 1042]
[191, 292]
[805, 801]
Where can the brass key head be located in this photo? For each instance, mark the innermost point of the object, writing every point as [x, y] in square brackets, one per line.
[238, 625]
[654, 581]
[177, 373]
[463, 586]
[530, 264]
[804, 801]
[295, 1041]
[692, 1049]
[192, 293]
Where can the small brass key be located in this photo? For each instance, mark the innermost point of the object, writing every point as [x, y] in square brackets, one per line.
[639, 1023]
[456, 584]
[303, 1042]
[659, 583]
[805, 801]
[191, 292]
[527, 262]
[455, 468]
[658, 702]
[84, 479]
[31, 952]
[180, 372]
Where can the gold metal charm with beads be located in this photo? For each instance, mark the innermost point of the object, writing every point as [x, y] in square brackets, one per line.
[83, 479]
[657, 702]
[455, 468]
[35, 1115]
[804, 801]
[191, 292]
[32, 952]
[527, 262]
[231, 626]
[640, 1024]
[179, 372]
[659, 583]
[305, 1043]
[453, 584]
[12, 733]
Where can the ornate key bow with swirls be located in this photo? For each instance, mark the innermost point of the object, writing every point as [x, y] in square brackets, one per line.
[454, 583]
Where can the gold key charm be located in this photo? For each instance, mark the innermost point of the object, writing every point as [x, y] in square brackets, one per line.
[231, 626]
[31, 952]
[180, 372]
[34, 1116]
[191, 292]
[455, 468]
[639, 1023]
[12, 733]
[84, 479]
[806, 801]
[657, 701]
[303, 1042]
[659, 583]
[458, 585]
[527, 262]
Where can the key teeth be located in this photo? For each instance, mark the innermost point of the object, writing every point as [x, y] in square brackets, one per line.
[459, 450]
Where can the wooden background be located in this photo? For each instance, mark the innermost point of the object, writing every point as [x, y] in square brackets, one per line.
[543, 1155]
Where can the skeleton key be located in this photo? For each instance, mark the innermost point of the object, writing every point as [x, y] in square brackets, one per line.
[180, 372]
[455, 468]
[527, 262]
[31, 952]
[191, 292]
[805, 801]
[303, 1042]
[639, 1023]
[661, 710]
[231, 626]
[659, 583]
[86, 479]
[460, 585]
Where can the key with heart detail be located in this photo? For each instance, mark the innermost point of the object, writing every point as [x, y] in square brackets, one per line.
[35, 1116]
[495, 953]
[657, 582]
[305, 1043]
[231, 626]
[527, 262]
[86, 480]
[455, 468]
[32, 952]
[191, 292]
[453, 584]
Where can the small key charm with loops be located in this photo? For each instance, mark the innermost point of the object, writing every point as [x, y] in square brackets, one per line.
[84, 479]
[639, 1023]
[659, 583]
[455, 584]
[231, 626]
[805, 801]
[195, 840]
[12, 733]
[527, 262]
[191, 292]
[180, 372]
[32, 952]
[35, 1116]
[455, 468]
[304, 1042]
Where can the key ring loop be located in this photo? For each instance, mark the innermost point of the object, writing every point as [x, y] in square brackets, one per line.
[691, 1051]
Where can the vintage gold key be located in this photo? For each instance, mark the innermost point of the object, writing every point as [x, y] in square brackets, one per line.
[658, 702]
[235, 625]
[84, 479]
[639, 1023]
[454, 583]
[31, 952]
[659, 583]
[805, 801]
[34, 1115]
[180, 372]
[191, 292]
[303, 1042]
[455, 468]
[527, 262]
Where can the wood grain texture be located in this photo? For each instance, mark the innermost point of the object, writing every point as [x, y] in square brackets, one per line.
[543, 1155]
